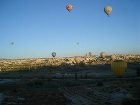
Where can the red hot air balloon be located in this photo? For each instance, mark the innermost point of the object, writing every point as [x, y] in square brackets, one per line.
[69, 7]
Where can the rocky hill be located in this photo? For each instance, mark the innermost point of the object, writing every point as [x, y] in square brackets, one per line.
[28, 64]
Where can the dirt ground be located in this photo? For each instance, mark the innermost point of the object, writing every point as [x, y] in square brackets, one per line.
[87, 86]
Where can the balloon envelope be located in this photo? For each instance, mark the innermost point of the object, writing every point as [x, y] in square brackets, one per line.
[53, 54]
[108, 10]
[119, 67]
[12, 43]
[69, 7]
[77, 43]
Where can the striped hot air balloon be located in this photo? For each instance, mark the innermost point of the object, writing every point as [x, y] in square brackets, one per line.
[119, 67]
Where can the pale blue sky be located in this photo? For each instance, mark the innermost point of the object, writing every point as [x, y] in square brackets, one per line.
[39, 27]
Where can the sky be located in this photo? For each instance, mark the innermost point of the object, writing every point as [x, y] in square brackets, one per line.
[40, 27]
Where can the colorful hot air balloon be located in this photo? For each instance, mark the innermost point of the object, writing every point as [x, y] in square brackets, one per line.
[108, 10]
[53, 54]
[69, 7]
[119, 67]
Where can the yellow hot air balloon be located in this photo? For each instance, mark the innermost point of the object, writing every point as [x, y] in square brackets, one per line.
[108, 10]
[119, 67]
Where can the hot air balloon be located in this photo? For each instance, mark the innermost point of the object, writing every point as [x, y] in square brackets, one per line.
[53, 54]
[108, 10]
[119, 67]
[103, 54]
[69, 7]
[77, 43]
[12, 43]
